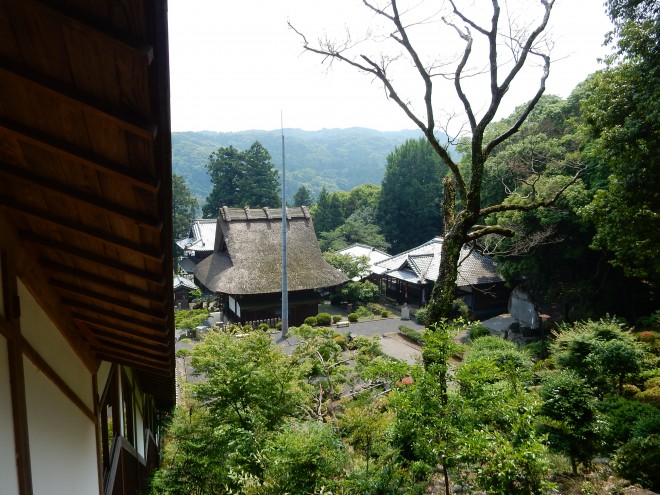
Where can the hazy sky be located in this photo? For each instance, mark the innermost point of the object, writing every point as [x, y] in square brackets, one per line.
[235, 65]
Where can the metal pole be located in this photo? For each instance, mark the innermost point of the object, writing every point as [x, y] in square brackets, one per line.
[285, 291]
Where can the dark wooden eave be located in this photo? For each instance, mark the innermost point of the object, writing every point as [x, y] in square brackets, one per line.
[85, 171]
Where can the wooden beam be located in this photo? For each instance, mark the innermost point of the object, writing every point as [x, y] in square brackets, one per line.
[109, 342]
[51, 244]
[52, 375]
[26, 77]
[66, 15]
[31, 180]
[16, 373]
[162, 368]
[113, 301]
[95, 279]
[69, 224]
[129, 338]
[139, 331]
[32, 276]
[69, 152]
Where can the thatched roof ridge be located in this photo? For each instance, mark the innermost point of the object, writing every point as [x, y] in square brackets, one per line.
[248, 260]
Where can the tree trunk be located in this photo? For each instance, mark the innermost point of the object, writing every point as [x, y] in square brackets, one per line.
[444, 290]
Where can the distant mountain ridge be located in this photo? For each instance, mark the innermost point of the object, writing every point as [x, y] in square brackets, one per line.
[337, 159]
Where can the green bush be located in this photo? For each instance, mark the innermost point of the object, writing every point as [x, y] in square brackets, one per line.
[336, 318]
[341, 340]
[311, 321]
[264, 327]
[460, 310]
[323, 319]
[364, 312]
[353, 317]
[422, 316]
[478, 331]
[190, 318]
[385, 313]
[639, 461]
[278, 325]
[412, 334]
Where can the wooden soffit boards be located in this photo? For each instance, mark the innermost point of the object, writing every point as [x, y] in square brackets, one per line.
[85, 168]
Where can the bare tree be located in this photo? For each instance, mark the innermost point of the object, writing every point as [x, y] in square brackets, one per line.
[508, 50]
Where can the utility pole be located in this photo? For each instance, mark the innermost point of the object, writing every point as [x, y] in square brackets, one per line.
[285, 289]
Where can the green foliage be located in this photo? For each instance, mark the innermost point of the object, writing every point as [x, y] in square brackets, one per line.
[184, 207]
[602, 352]
[264, 327]
[190, 318]
[311, 321]
[409, 210]
[336, 318]
[323, 319]
[357, 228]
[570, 417]
[477, 331]
[626, 419]
[421, 315]
[302, 458]
[412, 334]
[302, 197]
[241, 178]
[639, 461]
[621, 116]
[357, 293]
[353, 317]
[351, 266]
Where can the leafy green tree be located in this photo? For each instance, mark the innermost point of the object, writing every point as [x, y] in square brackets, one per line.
[359, 228]
[302, 197]
[601, 352]
[409, 209]
[327, 212]
[241, 178]
[302, 458]
[570, 418]
[184, 206]
[225, 168]
[621, 115]
[259, 185]
[350, 266]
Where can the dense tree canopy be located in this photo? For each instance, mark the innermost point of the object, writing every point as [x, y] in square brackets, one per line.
[409, 208]
[622, 116]
[184, 207]
[241, 178]
[302, 197]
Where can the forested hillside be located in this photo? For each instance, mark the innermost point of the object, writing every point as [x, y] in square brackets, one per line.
[337, 159]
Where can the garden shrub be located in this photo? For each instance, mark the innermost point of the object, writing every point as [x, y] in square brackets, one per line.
[624, 420]
[364, 312]
[336, 318]
[278, 325]
[649, 396]
[460, 310]
[412, 334]
[422, 316]
[478, 331]
[341, 340]
[323, 319]
[264, 327]
[639, 461]
[311, 321]
[353, 317]
[385, 313]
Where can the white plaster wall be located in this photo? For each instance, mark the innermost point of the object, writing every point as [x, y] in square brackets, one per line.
[102, 376]
[62, 439]
[47, 340]
[8, 475]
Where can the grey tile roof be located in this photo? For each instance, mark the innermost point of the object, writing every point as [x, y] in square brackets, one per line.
[201, 237]
[422, 264]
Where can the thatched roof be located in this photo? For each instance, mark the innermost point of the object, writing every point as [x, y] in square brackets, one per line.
[247, 258]
[422, 264]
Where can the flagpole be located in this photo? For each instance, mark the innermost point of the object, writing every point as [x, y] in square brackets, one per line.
[285, 291]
